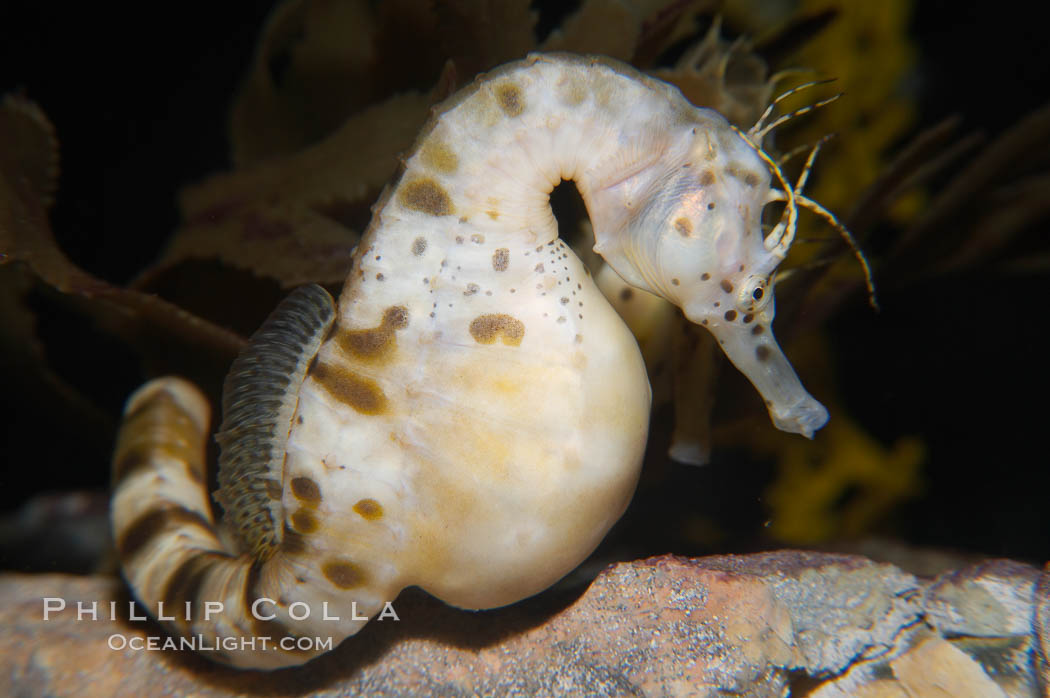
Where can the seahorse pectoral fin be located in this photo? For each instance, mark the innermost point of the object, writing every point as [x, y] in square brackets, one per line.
[624, 261]
[760, 359]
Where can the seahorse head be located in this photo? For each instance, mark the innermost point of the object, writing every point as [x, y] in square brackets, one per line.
[697, 240]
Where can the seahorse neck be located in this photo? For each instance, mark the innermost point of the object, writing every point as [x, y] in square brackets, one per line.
[487, 162]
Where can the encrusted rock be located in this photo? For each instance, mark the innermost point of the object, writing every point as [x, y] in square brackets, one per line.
[843, 608]
[990, 599]
[1042, 625]
[758, 625]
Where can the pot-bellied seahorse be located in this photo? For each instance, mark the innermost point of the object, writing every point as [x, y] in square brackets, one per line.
[470, 416]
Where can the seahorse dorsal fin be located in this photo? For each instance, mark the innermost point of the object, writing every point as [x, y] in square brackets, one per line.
[259, 398]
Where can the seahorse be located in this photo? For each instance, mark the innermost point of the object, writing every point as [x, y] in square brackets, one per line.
[471, 416]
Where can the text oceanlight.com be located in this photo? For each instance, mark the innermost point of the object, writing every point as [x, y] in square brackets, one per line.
[199, 643]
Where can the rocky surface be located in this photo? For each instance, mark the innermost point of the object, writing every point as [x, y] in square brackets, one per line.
[820, 625]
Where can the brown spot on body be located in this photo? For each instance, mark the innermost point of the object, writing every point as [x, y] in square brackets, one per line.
[707, 178]
[683, 226]
[705, 276]
[154, 522]
[762, 352]
[292, 543]
[366, 344]
[493, 214]
[738, 171]
[419, 246]
[501, 259]
[304, 521]
[726, 285]
[510, 99]
[730, 315]
[439, 156]
[369, 509]
[362, 394]
[345, 575]
[626, 294]
[486, 329]
[748, 318]
[376, 342]
[757, 330]
[306, 490]
[425, 195]
[675, 282]
[396, 317]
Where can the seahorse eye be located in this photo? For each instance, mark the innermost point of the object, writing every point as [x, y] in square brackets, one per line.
[753, 294]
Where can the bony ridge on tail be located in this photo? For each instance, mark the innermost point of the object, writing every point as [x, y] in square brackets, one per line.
[470, 417]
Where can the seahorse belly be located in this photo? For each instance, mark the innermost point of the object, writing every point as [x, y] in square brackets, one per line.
[510, 423]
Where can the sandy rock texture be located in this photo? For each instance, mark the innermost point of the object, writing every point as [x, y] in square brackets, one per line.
[769, 624]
